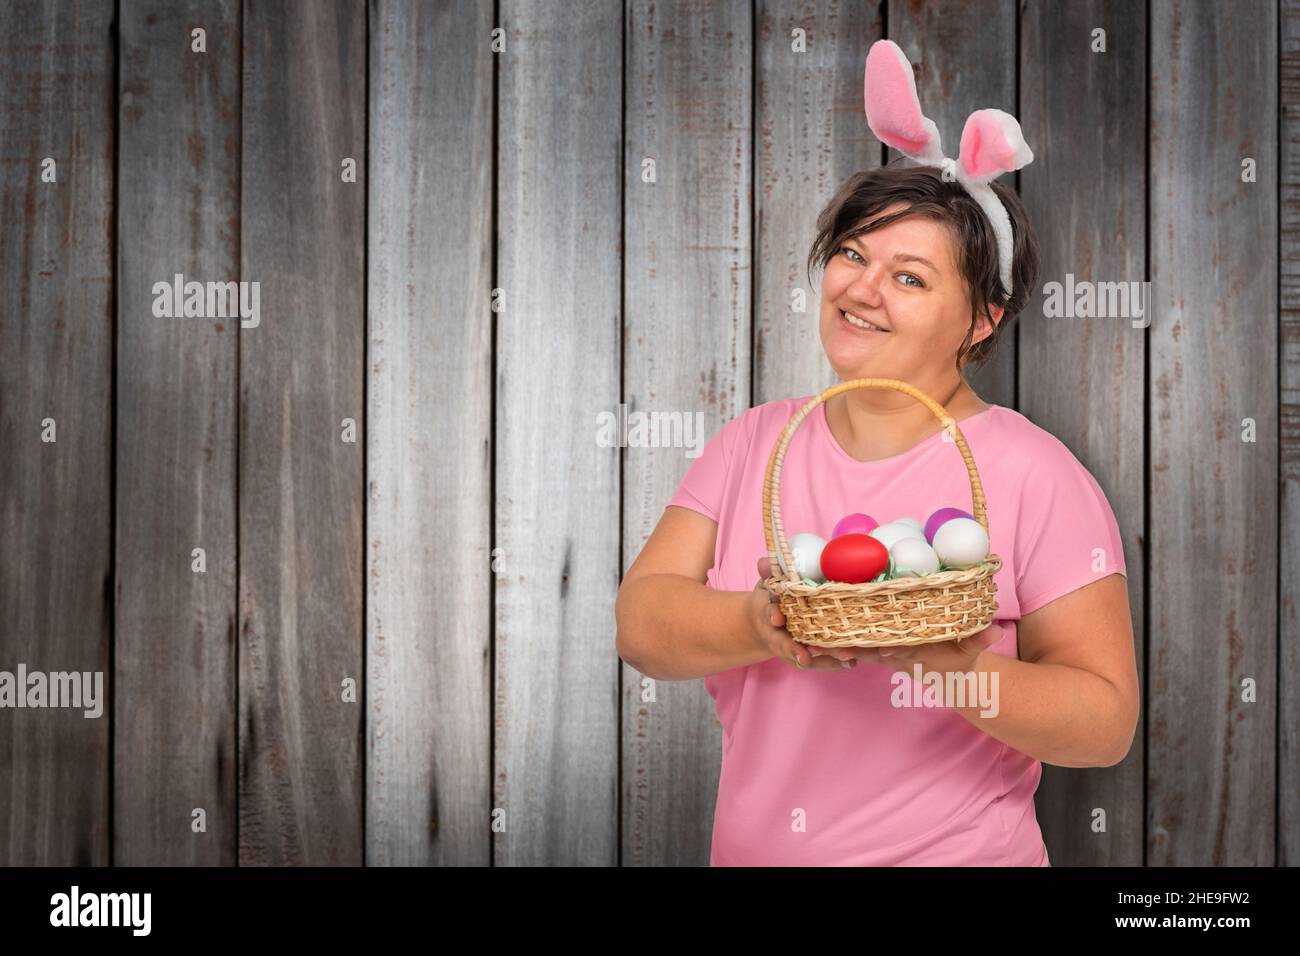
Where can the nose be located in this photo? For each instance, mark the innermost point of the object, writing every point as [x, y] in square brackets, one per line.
[865, 287]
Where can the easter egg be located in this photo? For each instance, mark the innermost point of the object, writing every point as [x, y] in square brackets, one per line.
[807, 551]
[911, 523]
[939, 517]
[853, 558]
[893, 532]
[961, 543]
[855, 524]
[913, 558]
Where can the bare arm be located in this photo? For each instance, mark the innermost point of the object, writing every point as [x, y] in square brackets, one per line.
[673, 626]
[1072, 697]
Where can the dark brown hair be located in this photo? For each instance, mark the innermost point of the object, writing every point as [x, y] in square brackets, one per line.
[864, 195]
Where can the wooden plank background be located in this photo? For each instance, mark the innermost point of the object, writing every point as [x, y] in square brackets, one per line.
[1212, 368]
[686, 321]
[56, 362]
[177, 431]
[301, 490]
[1084, 380]
[1288, 771]
[400, 650]
[556, 527]
[429, 435]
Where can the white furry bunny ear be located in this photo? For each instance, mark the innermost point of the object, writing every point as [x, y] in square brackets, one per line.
[893, 108]
[992, 144]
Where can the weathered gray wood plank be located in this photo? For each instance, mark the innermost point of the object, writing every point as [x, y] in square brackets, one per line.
[811, 134]
[429, 739]
[1288, 776]
[176, 439]
[687, 349]
[1082, 379]
[559, 202]
[56, 361]
[1213, 497]
[963, 52]
[300, 482]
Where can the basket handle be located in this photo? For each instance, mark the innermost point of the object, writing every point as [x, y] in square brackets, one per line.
[774, 532]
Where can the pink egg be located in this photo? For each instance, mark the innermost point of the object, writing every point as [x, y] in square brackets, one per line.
[855, 524]
[939, 517]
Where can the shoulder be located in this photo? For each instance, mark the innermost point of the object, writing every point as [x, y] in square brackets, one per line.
[761, 424]
[1062, 530]
[1019, 446]
[1024, 460]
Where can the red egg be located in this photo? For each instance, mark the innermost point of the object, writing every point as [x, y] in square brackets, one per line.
[854, 558]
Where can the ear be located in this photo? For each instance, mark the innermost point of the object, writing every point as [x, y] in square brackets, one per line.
[893, 109]
[992, 144]
[988, 323]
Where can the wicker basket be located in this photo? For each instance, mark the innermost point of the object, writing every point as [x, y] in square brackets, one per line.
[943, 606]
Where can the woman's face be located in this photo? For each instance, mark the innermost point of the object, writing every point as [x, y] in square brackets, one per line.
[903, 279]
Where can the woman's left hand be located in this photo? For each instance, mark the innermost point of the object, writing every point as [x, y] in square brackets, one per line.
[942, 656]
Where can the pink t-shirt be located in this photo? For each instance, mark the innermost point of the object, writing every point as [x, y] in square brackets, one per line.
[819, 768]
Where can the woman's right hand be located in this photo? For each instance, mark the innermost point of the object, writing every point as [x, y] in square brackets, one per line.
[767, 625]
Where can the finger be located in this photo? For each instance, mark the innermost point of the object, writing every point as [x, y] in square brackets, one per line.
[812, 657]
[798, 653]
[843, 652]
[839, 653]
[987, 637]
[824, 662]
[977, 643]
[764, 568]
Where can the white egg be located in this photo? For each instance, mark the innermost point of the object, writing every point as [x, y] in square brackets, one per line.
[961, 543]
[807, 551]
[893, 532]
[913, 558]
[912, 523]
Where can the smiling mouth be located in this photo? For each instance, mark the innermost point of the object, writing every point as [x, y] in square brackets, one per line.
[863, 324]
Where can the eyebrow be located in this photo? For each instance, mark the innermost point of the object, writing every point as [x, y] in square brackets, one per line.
[908, 257]
[901, 256]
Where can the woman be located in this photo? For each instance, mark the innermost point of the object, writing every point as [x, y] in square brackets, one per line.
[824, 762]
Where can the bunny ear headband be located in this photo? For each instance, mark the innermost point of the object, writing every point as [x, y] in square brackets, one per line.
[991, 143]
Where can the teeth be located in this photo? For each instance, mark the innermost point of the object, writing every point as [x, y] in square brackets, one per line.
[861, 323]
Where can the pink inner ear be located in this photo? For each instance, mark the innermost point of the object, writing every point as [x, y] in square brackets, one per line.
[893, 110]
[985, 149]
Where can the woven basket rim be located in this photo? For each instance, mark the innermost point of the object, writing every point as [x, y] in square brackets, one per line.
[939, 580]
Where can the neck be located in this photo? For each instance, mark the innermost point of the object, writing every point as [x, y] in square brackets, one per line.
[875, 423]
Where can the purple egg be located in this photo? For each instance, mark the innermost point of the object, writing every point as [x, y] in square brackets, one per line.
[939, 517]
[855, 524]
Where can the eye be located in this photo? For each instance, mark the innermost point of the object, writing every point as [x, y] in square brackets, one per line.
[919, 283]
[852, 255]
